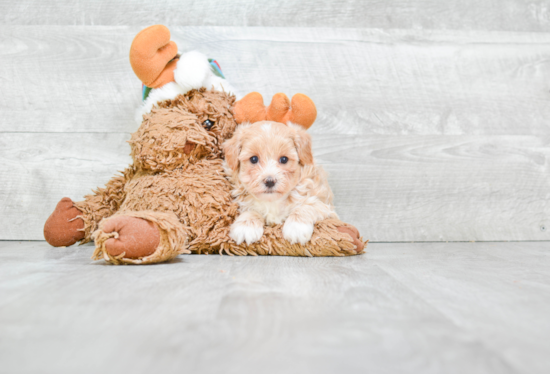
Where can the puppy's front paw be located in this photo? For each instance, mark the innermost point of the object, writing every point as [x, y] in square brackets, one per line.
[297, 232]
[241, 232]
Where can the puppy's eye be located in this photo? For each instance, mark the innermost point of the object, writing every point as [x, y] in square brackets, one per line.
[283, 160]
[254, 159]
[207, 124]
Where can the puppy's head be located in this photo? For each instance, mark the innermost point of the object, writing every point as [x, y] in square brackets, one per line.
[266, 158]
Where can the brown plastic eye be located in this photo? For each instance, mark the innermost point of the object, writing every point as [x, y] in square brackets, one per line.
[207, 124]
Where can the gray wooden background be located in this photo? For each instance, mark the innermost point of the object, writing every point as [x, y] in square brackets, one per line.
[433, 115]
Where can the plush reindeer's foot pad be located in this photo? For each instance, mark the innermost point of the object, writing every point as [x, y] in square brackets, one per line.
[355, 236]
[133, 237]
[140, 238]
[64, 227]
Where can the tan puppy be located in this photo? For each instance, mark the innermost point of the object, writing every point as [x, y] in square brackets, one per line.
[275, 180]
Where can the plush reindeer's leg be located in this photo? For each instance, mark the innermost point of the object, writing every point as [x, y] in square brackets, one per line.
[144, 237]
[64, 227]
[327, 240]
[331, 237]
[104, 202]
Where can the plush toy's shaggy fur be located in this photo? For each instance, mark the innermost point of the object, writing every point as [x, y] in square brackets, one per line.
[177, 182]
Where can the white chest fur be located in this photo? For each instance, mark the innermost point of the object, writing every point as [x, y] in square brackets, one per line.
[273, 212]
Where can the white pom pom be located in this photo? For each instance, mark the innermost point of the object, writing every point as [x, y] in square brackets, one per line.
[193, 71]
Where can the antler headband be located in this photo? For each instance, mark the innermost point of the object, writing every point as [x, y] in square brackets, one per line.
[300, 110]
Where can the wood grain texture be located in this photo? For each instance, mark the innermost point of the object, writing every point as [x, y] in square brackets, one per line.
[394, 188]
[40, 169]
[441, 188]
[400, 308]
[78, 79]
[428, 135]
[507, 15]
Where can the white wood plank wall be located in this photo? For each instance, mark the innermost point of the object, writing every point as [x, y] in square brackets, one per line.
[433, 115]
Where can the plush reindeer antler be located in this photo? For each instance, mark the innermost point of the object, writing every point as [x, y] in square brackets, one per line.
[300, 110]
[154, 56]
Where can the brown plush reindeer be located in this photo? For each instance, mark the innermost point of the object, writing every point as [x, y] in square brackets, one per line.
[174, 197]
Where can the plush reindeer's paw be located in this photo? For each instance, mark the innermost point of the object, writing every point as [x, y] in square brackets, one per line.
[355, 236]
[63, 228]
[297, 232]
[135, 237]
[246, 232]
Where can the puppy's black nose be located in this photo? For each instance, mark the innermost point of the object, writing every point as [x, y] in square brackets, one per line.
[269, 182]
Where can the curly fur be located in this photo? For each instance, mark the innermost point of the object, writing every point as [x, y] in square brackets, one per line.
[298, 194]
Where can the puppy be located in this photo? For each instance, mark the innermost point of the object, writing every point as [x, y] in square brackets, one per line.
[275, 180]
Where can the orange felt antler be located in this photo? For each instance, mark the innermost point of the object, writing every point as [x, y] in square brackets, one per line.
[153, 56]
[300, 110]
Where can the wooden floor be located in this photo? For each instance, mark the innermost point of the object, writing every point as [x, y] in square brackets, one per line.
[400, 308]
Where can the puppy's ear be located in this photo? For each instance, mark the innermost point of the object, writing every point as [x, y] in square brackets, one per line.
[232, 149]
[302, 141]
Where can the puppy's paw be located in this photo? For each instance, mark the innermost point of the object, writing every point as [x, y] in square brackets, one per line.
[241, 232]
[297, 232]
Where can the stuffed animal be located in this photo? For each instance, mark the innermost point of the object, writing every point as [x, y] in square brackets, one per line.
[174, 198]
